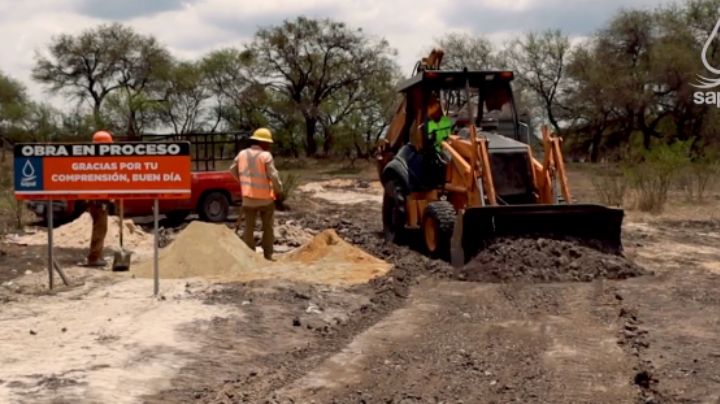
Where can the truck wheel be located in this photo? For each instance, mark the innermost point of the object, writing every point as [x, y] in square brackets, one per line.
[214, 207]
[438, 224]
[394, 213]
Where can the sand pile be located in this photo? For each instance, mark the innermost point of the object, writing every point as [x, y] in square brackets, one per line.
[546, 260]
[203, 250]
[328, 246]
[215, 252]
[329, 259]
[76, 234]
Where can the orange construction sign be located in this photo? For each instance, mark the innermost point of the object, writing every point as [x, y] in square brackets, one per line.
[149, 170]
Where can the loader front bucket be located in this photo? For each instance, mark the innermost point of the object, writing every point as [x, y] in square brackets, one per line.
[592, 225]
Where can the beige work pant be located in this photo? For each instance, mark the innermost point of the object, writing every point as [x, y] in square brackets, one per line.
[98, 212]
[266, 216]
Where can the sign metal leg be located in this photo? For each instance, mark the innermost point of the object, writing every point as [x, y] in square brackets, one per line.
[62, 274]
[156, 271]
[51, 259]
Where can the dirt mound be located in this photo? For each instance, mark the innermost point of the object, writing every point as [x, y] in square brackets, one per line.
[203, 250]
[545, 260]
[213, 251]
[76, 234]
[327, 246]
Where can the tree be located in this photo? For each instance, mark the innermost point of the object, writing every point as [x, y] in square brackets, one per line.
[184, 97]
[463, 50]
[13, 104]
[100, 61]
[41, 123]
[239, 100]
[358, 116]
[310, 61]
[635, 76]
[539, 61]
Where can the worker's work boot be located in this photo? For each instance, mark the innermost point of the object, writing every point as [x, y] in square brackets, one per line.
[99, 263]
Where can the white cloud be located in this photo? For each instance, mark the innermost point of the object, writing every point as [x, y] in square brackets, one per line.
[190, 28]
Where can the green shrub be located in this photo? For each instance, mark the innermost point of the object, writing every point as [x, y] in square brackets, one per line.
[655, 171]
[290, 183]
[10, 209]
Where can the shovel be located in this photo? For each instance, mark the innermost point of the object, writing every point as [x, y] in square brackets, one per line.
[121, 258]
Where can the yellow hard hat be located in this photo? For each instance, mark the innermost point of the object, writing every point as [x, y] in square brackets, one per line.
[262, 135]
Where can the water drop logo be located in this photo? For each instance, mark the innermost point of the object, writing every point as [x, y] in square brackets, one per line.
[709, 82]
[29, 179]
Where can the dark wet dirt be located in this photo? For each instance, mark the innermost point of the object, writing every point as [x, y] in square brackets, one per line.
[546, 260]
[586, 327]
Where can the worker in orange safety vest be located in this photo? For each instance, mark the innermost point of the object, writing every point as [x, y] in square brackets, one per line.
[98, 210]
[260, 184]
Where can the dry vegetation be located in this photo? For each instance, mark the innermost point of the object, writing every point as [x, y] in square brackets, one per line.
[9, 212]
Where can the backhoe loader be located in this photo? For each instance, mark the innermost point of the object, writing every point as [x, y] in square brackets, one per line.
[482, 181]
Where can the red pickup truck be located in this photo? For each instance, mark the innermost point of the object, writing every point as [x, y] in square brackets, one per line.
[213, 192]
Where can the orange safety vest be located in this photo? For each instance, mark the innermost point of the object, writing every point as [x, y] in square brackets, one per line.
[254, 179]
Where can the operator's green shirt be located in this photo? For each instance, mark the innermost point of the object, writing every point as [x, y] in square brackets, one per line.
[442, 130]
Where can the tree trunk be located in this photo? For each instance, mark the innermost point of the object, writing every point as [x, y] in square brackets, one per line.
[327, 143]
[310, 143]
[553, 121]
[97, 117]
[595, 146]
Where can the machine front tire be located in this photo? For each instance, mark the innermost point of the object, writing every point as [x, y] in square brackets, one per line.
[394, 213]
[437, 227]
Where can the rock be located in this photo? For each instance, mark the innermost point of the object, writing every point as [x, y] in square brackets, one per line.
[466, 315]
[63, 329]
[245, 303]
[32, 332]
[296, 322]
[28, 272]
[312, 308]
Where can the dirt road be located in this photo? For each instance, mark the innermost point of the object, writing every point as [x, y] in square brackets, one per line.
[418, 335]
[424, 333]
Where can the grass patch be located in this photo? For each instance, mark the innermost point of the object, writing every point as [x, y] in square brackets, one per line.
[610, 184]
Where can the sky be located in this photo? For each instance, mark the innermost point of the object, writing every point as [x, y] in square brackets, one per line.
[191, 28]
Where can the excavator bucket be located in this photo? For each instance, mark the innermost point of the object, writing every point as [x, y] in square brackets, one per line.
[593, 225]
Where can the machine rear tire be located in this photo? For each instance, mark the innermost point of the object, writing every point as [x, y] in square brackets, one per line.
[437, 227]
[394, 213]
